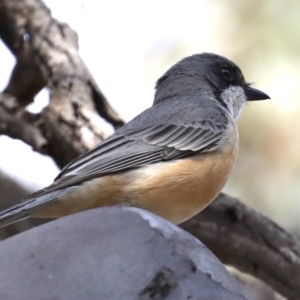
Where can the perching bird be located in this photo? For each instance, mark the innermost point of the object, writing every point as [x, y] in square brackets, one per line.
[173, 159]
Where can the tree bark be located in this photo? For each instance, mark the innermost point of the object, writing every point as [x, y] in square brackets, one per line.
[47, 56]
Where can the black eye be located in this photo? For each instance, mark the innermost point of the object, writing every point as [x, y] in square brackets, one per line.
[227, 74]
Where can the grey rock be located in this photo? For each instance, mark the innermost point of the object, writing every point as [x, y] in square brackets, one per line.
[111, 253]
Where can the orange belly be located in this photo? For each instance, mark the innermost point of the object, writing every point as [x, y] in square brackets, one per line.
[179, 190]
[175, 190]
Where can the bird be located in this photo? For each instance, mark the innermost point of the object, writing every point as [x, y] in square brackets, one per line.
[173, 159]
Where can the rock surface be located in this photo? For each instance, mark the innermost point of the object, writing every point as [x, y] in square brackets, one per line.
[111, 253]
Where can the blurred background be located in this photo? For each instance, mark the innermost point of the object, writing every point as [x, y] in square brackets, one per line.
[128, 44]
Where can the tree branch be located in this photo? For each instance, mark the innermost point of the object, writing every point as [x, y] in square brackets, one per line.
[17, 128]
[248, 240]
[47, 54]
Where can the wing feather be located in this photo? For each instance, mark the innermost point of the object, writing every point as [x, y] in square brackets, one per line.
[142, 141]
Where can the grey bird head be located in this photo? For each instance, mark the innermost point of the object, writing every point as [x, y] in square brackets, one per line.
[209, 75]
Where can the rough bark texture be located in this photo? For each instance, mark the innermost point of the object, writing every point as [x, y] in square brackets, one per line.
[47, 56]
[17, 127]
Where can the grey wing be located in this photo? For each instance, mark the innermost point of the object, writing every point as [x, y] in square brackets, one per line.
[152, 137]
[159, 134]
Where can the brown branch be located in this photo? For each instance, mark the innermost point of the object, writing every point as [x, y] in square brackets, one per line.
[17, 128]
[249, 241]
[47, 55]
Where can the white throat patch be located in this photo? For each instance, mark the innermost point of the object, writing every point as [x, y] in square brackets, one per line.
[235, 99]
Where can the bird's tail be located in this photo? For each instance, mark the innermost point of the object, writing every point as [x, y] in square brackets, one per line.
[13, 214]
[28, 206]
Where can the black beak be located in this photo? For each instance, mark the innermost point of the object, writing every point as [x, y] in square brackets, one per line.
[253, 94]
